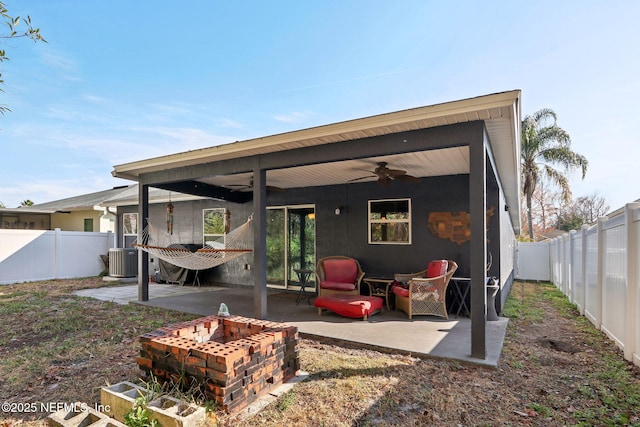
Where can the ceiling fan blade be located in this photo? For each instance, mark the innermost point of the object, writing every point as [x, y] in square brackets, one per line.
[394, 173]
[408, 178]
[362, 177]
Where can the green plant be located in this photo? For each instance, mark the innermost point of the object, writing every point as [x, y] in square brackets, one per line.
[287, 400]
[139, 415]
[210, 406]
[540, 409]
[153, 387]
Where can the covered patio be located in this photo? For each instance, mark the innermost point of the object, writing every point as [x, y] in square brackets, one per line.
[463, 161]
[389, 331]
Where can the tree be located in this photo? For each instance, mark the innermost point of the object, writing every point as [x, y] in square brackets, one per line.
[13, 24]
[591, 207]
[26, 202]
[545, 144]
[583, 210]
[545, 205]
[568, 221]
[2, 205]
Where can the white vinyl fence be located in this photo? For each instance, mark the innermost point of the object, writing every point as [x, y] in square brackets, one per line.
[29, 255]
[597, 269]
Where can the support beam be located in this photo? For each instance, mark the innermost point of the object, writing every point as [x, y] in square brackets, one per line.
[143, 256]
[205, 190]
[259, 243]
[477, 210]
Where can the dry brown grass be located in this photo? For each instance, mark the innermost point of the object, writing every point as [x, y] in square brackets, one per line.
[555, 369]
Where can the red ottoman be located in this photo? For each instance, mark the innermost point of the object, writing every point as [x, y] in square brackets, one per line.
[355, 306]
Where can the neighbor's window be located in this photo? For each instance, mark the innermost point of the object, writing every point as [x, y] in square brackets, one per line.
[390, 221]
[129, 228]
[214, 226]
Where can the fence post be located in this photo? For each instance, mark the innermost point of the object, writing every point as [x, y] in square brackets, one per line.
[57, 252]
[600, 270]
[583, 291]
[632, 282]
[566, 260]
[572, 264]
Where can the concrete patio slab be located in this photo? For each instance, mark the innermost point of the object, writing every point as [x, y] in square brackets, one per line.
[391, 331]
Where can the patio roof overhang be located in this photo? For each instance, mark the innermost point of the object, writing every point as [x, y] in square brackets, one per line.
[500, 113]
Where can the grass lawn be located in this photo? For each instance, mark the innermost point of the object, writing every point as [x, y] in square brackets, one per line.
[555, 370]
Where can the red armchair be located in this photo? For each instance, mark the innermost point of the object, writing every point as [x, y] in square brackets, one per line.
[338, 275]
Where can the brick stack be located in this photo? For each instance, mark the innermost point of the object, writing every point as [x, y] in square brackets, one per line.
[235, 359]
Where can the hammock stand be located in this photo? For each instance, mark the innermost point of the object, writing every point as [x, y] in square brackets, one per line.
[234, 244]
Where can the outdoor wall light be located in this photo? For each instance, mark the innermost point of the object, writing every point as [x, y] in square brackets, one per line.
[338, 210]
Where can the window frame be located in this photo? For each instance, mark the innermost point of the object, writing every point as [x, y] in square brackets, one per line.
[215, 236]
[384, 221]
[127, 242]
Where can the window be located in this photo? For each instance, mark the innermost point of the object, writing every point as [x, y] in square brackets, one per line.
[88, 224]
[390, 222]
[129, 228]
[214, 226]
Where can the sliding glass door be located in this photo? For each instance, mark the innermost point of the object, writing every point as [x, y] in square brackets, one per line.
[291, 243]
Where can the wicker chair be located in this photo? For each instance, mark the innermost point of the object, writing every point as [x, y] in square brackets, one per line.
[427, 290]
[338, 275]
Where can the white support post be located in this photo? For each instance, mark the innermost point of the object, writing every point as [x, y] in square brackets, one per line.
[631, 324]
[572, 264]
[600, 272]
[57, 252]
[583, 292]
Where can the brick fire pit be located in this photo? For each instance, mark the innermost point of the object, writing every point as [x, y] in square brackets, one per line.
[234, 359]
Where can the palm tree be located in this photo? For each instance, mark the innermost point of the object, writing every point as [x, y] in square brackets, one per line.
[544, 144]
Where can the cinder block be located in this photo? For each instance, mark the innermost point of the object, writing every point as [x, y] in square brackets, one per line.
[171, 412]
[168, 411]
[117, 400]
[88, 417]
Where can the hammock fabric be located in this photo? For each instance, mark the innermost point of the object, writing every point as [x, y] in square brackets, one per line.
[236, 243]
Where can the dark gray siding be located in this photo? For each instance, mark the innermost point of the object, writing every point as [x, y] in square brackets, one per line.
[346, 234]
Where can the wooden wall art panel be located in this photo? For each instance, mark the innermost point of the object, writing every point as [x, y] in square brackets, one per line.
[454, 226]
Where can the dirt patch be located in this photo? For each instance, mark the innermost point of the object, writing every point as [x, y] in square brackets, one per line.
[555, 369]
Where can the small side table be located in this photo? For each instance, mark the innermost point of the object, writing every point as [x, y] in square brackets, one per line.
[461, 287]
[303, 274]
[379, 287]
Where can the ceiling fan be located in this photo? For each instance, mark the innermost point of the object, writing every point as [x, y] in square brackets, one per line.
[386, 175]
[243, 187]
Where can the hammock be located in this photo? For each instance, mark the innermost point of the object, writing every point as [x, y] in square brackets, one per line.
[234, 244]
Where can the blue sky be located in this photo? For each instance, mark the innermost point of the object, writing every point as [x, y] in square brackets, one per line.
[121, 81]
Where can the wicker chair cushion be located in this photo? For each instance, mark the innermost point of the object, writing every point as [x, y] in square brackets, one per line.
[399, 290]
[340, 270]
[437, 268]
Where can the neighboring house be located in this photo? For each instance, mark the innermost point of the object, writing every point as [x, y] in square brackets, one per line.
[79, 213]
[549, 234]
[347, 189]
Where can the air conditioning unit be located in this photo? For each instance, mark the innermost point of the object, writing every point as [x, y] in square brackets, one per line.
[123, 262]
